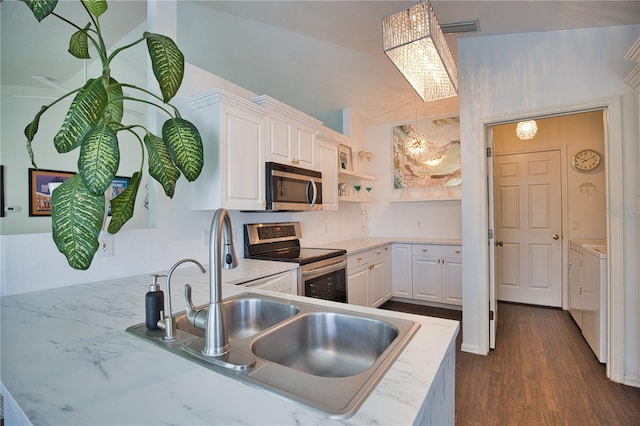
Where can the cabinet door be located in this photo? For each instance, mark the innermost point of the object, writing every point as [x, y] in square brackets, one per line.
[451, 275]
[426, 278]
[376, 283]
[328, 165]
[402, 281]
[303, 151]
[242, 160]
[357, 285]
[233, 133]
[280, 137]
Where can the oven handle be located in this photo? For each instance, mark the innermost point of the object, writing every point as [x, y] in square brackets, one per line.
[315, 272]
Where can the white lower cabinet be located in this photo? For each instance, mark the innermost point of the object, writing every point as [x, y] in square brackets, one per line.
[428, 272]
[369, 277]
[283, 282]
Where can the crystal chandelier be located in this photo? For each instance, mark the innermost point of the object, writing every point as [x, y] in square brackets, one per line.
[526, 130]
[415, 43]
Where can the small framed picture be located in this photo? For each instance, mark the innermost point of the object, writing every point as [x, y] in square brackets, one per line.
[118, 185]
[345, 158]
[41, 185]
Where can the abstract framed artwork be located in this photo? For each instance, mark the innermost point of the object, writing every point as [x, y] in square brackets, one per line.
[428, 158]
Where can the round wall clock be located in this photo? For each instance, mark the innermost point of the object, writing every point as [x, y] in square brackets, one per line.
[586, 160]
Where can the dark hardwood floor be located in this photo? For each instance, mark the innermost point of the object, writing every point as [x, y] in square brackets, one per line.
[542, 372]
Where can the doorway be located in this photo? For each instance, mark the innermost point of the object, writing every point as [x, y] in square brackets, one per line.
[536, 208]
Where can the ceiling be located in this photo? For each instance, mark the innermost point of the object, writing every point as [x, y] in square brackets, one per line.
[318, 56]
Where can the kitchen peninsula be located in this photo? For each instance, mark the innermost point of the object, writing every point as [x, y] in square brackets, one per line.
[66, 359]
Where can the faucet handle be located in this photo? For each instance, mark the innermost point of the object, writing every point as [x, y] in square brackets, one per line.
[193, 313]
[187, 299]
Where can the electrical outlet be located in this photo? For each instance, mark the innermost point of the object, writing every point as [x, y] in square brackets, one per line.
[419, 224]
[105, 247]
[205, 237]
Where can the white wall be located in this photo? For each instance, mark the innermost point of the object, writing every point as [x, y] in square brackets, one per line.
[437, 219]
[521, 75]
[31, 262]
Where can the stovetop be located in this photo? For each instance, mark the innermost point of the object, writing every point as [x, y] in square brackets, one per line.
[281, 242]
[301, 255]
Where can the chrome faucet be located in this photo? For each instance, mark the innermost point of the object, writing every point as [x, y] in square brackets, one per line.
[169, 326]
[216, 342]
[216, 348]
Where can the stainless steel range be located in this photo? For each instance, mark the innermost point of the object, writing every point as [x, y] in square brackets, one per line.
[322, 272]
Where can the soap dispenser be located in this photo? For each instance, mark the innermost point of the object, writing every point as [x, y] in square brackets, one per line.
[153, 303]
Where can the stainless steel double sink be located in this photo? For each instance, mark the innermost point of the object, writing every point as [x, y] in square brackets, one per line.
[327, 358]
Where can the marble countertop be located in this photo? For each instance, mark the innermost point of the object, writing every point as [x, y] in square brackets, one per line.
[66, 359]
[359, 244]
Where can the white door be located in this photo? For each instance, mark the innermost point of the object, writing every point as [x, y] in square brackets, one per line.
[493, 305]
[528, 219]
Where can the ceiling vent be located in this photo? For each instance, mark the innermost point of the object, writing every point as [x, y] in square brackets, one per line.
[460, 27]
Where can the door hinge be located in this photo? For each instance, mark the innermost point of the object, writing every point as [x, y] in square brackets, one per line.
[490, 315]
[490, 234]
[489, 152]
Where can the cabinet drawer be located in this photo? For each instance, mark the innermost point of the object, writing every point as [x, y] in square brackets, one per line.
[378, 252]
[358, 259]
[436, 250]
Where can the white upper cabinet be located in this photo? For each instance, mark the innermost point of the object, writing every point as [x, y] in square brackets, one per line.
[233, 131]
[291, 135]
[327, 157]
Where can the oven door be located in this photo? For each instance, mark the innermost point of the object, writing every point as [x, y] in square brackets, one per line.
[326, 279]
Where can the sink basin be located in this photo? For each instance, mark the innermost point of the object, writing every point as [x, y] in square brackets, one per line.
[245, 317]
[326, 344]
[324, 357]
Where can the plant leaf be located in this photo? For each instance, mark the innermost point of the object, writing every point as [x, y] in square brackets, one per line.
[96, 7]
[86, 108]
[79, 44]
[184, 146]
[122, 205]
[114, 110]
[30, 132]
[99, 159]
[161, 167]
[167, 62]
[76, 218]
[41, 8]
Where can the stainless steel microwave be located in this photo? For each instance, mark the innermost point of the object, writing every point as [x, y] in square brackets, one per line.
[291, 188]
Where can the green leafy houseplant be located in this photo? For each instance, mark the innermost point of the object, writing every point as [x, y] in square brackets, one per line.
[92, 125]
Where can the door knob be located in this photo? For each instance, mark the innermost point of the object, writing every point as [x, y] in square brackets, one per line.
[555, 236]
[499, 243]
